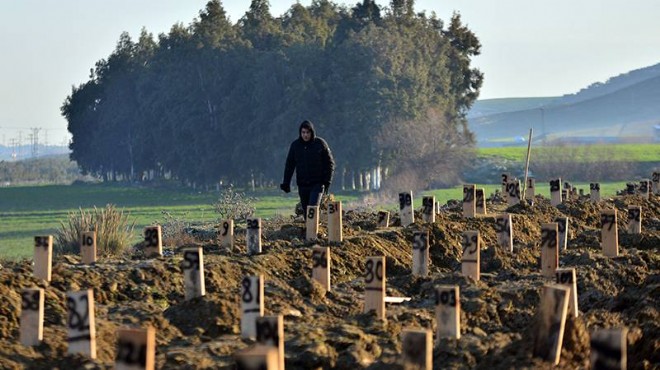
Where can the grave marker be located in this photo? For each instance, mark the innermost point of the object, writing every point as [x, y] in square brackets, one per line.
[136, 349]
[383, 219]
[321, 266]
[549, 249]
[505, 181]
[530, 190]
[32, 317]
[270, 333]
[504, 230]
[635, 219]
[480, 201]
[80, 323]
[551, 321]
[567, 277]
[312, 223]
[655, 183]
[417, 348]
[253, 236]
[609, 233]
[193, 272]
[471, 255]
[594, 192]
[469, 202]
[88, 247]
[428, 209]
[562, 229]
[153, 241]
[374, 278]
[513, 190]
[555, 192]
[257, 358]
[43, 257]
[420, 253]
[335, 222]
[252, 304]
[448, 311]
[644, 188]
[406, 208]
[226, 234]
[609, 349]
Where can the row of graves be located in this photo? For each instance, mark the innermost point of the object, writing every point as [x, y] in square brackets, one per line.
[136, 346]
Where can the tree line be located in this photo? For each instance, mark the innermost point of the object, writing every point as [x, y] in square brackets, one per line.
[216, 101]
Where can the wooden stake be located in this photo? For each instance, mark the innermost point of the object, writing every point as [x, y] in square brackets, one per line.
[374, 278]
[153, 241]
[635, 219]
[594, 192]
[505, 181]
[504, 231]
[321, 266]
[383, 219]
[566, 277]
[420, 253]
[226, 234]
[312, 223]
[406, 208]
[555, 192]
[136, 349]
[480, 201]
[609, 349]
[549, 250]
[270, 333]
[644, 188]
[193, 272]
[655, 183]
[448, 311]
[81, 323]
[417, 349]
[252, 304]
[335, 222]
[32, 316]
[88, 247]
[513, 190]
[469, 202]
[253, 236]
[562, 229]
[43, 257]
[530, 190]
[609, 233]
[428, 209]
[471, 254]
[551, 320]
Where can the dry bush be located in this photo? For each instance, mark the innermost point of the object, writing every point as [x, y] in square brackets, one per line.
[113, 229]
[234, 205]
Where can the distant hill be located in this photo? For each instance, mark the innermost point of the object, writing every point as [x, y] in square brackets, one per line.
[625, 108]
[25, 151]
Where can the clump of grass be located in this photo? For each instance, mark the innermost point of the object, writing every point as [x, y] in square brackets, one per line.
[113, 230]
[234, 205]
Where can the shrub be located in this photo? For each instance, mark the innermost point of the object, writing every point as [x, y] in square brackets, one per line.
[234, 205]
[113, 230]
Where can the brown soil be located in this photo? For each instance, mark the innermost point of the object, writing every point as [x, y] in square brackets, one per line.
[330, 330]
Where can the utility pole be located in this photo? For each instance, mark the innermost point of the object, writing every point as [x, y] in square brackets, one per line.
[35, 141]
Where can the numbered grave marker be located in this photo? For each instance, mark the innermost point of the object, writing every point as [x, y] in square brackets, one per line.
[635, 219]
[321, 266]
[136, 349]
[420, 253]
[609, 349]
[530, 190]
[226, 234]
[505, 181]
[562, 229]
[374, 278]
[193, 272]
[252, 304]
[153, 241]
[43, 257]
[88, 247]
[448, 311]
[594, 192]
[406, 208]
[270, 333]
[513, 190]
[383, 219]
[655, 183]
[504, 230]
[471, 255]
[428, 209]
[417, 348]
[257, 358]
[568, 278]
[555, 192]
[253, 236]
[312, 223]
[81, 323]
[469, 201]
[549, 249]
[609, 233]
[32, 317]
[335, 222]
[644, 189]
[552, 319]
[480, 201]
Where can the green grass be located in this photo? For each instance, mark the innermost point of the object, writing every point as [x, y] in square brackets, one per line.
[584, 153]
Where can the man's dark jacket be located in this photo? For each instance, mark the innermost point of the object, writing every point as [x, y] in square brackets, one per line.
[312, 161]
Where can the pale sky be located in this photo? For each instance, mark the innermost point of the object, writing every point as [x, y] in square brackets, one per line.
[530, 48]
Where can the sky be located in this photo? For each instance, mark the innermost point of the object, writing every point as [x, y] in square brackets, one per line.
[529, 48]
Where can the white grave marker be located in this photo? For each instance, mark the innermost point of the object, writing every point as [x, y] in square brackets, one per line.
[321, 266]
[193, 272]
[312, 223]
[270, 333]
[609, 349]
[252, 304]
[549, 249]
[383, 219]
[471, 255]
[153, 241]
[644, 188]
[226, 234]
[420, 253]
[655, 183]
[428, 209]
[567, 277]
[469, 201]
[253, 236]
[609, 233]
[551, 321]
[594, 192]
[88, 247]
[335, 222]
[480, 201]
[417, 349]
[406, 208]
[43, 257]
[504, 231]
[374, 278]
[81, 323]
[530, 190]
[555, 192]
[635, 219]
[562, 229]
[513, 190]
[32, 317]
[505, 181]
[136, 349]
[448, 311]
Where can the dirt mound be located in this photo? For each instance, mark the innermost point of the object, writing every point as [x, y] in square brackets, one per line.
[328, 329]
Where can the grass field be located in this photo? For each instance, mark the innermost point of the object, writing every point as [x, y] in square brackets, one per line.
[38, 210]
[584, 153]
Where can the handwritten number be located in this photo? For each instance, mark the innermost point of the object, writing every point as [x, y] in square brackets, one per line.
[447, 298]
[30, 300]
[554, 185]
[76, 320]
[605, 220]
[374, 271]
[549, 238]
[131, 353]
[319, 259]
[225, 228]
[468, 194]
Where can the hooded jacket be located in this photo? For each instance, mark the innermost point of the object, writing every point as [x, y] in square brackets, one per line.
[312, 160]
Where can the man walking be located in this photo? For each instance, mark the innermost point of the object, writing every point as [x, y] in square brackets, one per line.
[312, 160]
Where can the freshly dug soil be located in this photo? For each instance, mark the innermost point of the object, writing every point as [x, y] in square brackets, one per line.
[329, 330]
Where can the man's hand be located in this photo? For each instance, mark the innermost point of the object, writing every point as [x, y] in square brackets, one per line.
[285, 188]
